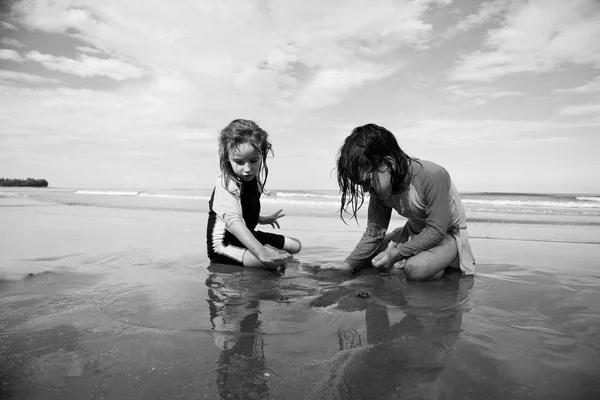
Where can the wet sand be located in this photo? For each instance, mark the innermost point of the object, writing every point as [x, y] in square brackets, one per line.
[123, 304]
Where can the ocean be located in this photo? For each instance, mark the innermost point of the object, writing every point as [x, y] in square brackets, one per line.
[108, 293]
[519, 216]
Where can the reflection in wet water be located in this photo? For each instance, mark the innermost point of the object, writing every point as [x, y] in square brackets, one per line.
[396, 359]
[241, 301]
[235, 316]
[241, 370]
[229, 332]
[406, 333]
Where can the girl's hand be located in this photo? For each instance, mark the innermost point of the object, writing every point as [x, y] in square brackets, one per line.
[271, 219]
[385, 260]
[337, 265]
[273, 258]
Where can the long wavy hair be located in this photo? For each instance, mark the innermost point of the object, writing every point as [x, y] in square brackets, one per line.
[365, 150]
[235, 134]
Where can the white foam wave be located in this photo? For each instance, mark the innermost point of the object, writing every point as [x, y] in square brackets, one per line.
[547, 211]
[173, 196]
[312, 195]
[588, 198]
[304, 199]
[141, 194]
[533, 203]
[11, 194]
[305, 203]
[106, 193]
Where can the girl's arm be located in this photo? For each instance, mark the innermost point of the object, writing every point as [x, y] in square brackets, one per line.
[239, 229]
[377, 225]
[434, 185]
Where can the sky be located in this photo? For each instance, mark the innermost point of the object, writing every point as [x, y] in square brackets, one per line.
[504, 94]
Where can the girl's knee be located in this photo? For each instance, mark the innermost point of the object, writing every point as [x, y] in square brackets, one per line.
[292, 245]
[415, 270]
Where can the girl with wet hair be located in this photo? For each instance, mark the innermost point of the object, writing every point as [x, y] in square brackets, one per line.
[435, 234]
[234, 206]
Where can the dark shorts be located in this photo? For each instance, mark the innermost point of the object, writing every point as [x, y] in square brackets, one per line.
[232, 243]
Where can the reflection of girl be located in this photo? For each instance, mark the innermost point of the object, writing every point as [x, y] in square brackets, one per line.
[435, 235]
[240, 374]
[241, 365]
[401, 360]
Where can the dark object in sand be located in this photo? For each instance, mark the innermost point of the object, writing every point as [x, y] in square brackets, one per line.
[363, 295]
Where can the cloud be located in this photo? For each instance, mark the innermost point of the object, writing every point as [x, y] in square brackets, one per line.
[590, 86]
[205, 64]
[88, 66]
[26, 78]
[487, 11]
[8, 54]
[80, 130]
[87, 49]
[582, 109]
[538, 36]
[51, 16]
[11, 42]
[465, 96]
[104, 124]
[147, 88]
[458, 132]
[259, 46]
[327, 86]
[7, 25]
[479, 95]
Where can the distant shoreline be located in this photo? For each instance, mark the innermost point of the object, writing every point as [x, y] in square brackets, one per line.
[29, 182]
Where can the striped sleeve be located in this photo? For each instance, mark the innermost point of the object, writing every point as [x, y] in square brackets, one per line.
[433, 184]
[227, 204]
[377, 225]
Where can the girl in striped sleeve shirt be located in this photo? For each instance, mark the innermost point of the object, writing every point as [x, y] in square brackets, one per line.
[435, 234]
[234, 206]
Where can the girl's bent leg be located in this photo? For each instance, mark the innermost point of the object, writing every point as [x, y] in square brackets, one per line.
[430, 264]
[292, 245]
[250, 261]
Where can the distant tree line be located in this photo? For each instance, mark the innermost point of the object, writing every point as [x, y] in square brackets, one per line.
[29, 182]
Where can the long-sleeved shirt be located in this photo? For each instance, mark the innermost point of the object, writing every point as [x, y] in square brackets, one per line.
[431, 204]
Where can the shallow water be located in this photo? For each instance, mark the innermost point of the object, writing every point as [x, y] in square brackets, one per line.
[123, 304]
[228, 332]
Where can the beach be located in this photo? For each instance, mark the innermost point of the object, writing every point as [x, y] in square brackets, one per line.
[109, 294]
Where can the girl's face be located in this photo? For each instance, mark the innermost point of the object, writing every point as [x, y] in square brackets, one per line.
[378, 183]
[245, 161]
